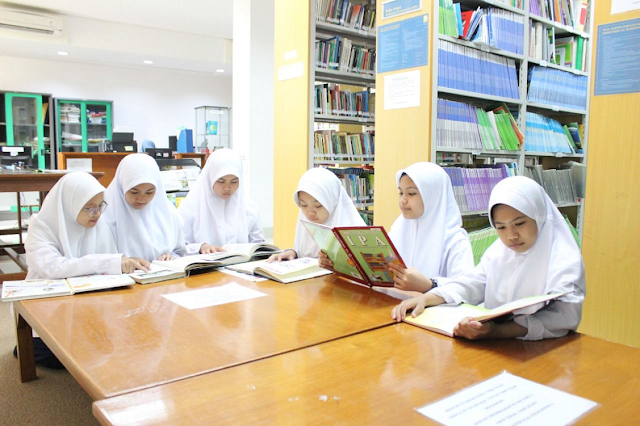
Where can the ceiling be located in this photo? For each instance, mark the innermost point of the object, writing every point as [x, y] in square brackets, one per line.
[186, 35]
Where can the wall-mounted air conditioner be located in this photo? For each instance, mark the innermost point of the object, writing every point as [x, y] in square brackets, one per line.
[31, 22]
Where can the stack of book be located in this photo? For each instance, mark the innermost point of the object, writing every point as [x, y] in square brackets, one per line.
[358, 182]
[558, 184]
[572, 13]
[557, 88]
[339, 53]
[545, 134]
[351, 15]
[480, 242]
[329, 99]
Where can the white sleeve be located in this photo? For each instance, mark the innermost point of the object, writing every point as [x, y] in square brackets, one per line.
[193, 248]
[468, 287]
[253, 223]
[554, 320]
[458, 259]
[48, 262]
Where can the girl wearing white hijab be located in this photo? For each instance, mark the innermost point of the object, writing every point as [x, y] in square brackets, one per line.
[216, 212]
[429, 234]
[321, 199]
[66, 238]
[143, 220]
[536, 254]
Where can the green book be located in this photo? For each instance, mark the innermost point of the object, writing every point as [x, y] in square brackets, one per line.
[578, 64]
[359, 253]
[569, 137]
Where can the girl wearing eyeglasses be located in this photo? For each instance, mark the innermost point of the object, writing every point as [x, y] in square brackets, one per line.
[66, 238]
[143, 220]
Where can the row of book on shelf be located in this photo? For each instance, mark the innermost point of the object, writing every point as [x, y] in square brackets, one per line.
[330, 145]
[557, 88]
[472, 186]
[339, 53]
[330, 99]
[463, 125]
[358, 182]
[465, 68]
[569, 51]
[492, 26]
[572, 13]
[355, 15]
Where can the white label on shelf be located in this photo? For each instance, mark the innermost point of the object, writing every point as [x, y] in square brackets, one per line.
[476, 152]
[559, 154]
[484, 47]
[543, 63]
[556, 108]
[292, 54]
[288, 72]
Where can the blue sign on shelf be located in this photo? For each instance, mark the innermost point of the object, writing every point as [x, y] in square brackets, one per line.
[618, 58]
[403, 44]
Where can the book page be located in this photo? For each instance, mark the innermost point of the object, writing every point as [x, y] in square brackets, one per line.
[508, 400]
[182, 263]
[290, 266]
[31, 289]
[444, 318]
[517, 304]
[98, 282]
[155, 271]
[213, 296]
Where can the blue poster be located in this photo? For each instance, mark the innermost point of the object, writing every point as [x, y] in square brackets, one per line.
[403, 44]
[618, 58]
[212, 127]
[393, 8]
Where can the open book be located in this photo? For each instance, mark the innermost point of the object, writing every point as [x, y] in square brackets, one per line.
[35, 289]
[443, 318]
[360, 253]
[285, 271]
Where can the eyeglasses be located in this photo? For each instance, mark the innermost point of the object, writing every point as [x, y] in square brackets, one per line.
[93, 211]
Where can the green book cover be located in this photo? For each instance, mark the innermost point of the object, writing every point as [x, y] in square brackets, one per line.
[361, 253]
[578, 64]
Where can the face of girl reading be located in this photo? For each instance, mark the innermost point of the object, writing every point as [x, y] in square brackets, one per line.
[226, 186]
[140, 195]
[516, 230]
[91, 212]
[312, 209]
[410, 200]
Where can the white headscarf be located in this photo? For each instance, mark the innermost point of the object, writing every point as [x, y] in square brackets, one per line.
[424, 242]
[56, 223]
[325, 187]
[155, 229]
[553, 264]
[208, 218]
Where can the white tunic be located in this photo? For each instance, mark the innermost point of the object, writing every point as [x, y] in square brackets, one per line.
[57, 246]
[155, 229]
[210, 219]
[553, 264]
[325, 187]
[435, 243]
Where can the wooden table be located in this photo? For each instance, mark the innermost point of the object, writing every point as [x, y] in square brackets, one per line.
[25, 181]
[124, 340]
[380, 377]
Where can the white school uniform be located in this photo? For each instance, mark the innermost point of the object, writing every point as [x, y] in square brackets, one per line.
[553, 264]
[57, 246]
[212, 220]
[435, 243]
[151, 231]
[325, 187]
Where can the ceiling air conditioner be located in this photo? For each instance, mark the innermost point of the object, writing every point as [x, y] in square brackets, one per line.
[32, 22]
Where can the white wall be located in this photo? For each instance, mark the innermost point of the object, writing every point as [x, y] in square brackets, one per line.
[154, 102]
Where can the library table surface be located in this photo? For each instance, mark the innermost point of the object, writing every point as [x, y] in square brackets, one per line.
[127, 339]
[381, 376]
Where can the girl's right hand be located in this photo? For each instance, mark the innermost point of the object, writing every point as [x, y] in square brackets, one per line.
[130, 264]
[324, 261]
[208, 248]
[285, 255]
[417, 303]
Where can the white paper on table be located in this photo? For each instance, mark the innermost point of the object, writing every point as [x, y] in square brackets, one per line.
[203, 298]
[247, 277]
[508, 400]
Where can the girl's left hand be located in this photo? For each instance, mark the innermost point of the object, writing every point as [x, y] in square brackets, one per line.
[474, 330]
[166, 256]
[324, 261]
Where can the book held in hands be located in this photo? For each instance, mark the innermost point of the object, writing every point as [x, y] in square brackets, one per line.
[443, 318]
[360, 253]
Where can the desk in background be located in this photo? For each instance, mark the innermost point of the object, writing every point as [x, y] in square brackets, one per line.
[381, 376]
[107, 162]
[129, 339]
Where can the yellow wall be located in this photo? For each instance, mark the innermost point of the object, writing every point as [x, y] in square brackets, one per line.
[291, 115]
[611, 243]
[402, 135]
